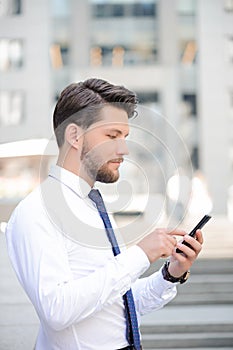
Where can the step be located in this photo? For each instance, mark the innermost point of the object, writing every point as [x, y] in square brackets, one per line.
[205, 289]
[201, 267]
[187, 340]
[186, 328]
[195, 316]
[206, 348]
[205, 279]
[202, 299]
[183, 336]
[212, 266]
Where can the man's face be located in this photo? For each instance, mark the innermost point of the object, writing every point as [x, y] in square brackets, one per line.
[104, 146]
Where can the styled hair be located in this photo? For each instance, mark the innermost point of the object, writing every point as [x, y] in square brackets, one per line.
[81, 103]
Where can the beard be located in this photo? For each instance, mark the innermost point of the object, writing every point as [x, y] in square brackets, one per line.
[105, 175]
[94, 166]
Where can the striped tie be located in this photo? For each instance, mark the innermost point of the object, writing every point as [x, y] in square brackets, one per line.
[132, 331]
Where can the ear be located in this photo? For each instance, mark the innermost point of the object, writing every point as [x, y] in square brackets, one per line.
[72, 134]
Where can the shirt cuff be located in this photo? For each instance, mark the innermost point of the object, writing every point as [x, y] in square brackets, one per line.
[164, 283]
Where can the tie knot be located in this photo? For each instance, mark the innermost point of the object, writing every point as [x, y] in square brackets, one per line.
[95, 196]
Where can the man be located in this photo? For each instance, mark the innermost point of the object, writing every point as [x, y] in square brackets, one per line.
[85, 289]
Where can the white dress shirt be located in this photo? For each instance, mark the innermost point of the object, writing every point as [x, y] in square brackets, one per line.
[58, 247]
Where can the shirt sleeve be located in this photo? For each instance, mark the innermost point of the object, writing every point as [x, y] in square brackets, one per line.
[39, 257]
[152, 293]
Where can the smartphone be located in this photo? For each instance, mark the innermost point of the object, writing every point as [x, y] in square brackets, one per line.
[200, 224]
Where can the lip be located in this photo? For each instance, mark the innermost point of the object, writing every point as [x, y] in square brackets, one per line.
[116, 161]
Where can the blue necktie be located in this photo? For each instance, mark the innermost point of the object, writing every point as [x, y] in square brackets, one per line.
[132, 331]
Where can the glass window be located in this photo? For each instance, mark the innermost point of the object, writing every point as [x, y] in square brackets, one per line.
[59, 55]
[230, 48]
[117, 10]
[188, 52]
[148, 97]
[186, 28]
[11, 107]
[123, 8]
[144, 9]
[11, 54]
[10, 7]
[231, 108]
[188, 128]
[191, 101]
[122, 55]
[186, 7]
[137, 20]
[60, 8]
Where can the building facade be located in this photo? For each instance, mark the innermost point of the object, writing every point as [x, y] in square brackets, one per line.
[176, 54]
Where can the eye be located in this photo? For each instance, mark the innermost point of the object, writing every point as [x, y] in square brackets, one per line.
[112, 136]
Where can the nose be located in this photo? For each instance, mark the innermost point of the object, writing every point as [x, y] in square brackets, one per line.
[122, 148]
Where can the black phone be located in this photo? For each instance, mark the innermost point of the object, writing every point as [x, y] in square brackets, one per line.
[200, 224]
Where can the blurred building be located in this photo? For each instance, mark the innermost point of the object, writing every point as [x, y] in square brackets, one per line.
[176, 54]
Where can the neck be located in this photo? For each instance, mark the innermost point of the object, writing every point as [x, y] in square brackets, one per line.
[71, 162]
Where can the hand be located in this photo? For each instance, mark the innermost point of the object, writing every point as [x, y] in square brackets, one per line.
[180, 263]
[160, 243]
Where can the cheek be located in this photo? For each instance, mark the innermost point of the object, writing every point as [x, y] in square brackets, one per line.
[105, 148]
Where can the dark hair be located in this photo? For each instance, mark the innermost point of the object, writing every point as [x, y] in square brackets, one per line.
[81, 103]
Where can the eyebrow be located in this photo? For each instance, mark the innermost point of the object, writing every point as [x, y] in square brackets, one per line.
[119, 132]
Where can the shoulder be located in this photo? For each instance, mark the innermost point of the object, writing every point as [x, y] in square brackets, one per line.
[31, 210]
[33, 225]
[29, 205]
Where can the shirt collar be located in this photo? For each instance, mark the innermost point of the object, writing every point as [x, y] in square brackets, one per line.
[69, 179]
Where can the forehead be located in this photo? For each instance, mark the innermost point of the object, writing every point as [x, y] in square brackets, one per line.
[112, 117]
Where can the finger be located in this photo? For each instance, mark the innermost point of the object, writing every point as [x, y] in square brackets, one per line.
[188, 252]
[181, 257]
[194, 243]
[169, 245]
[174, 240]
[176, 232]
[199, 236]
[171, 241]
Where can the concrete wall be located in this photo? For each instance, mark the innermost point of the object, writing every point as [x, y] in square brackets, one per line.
[33, 26]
